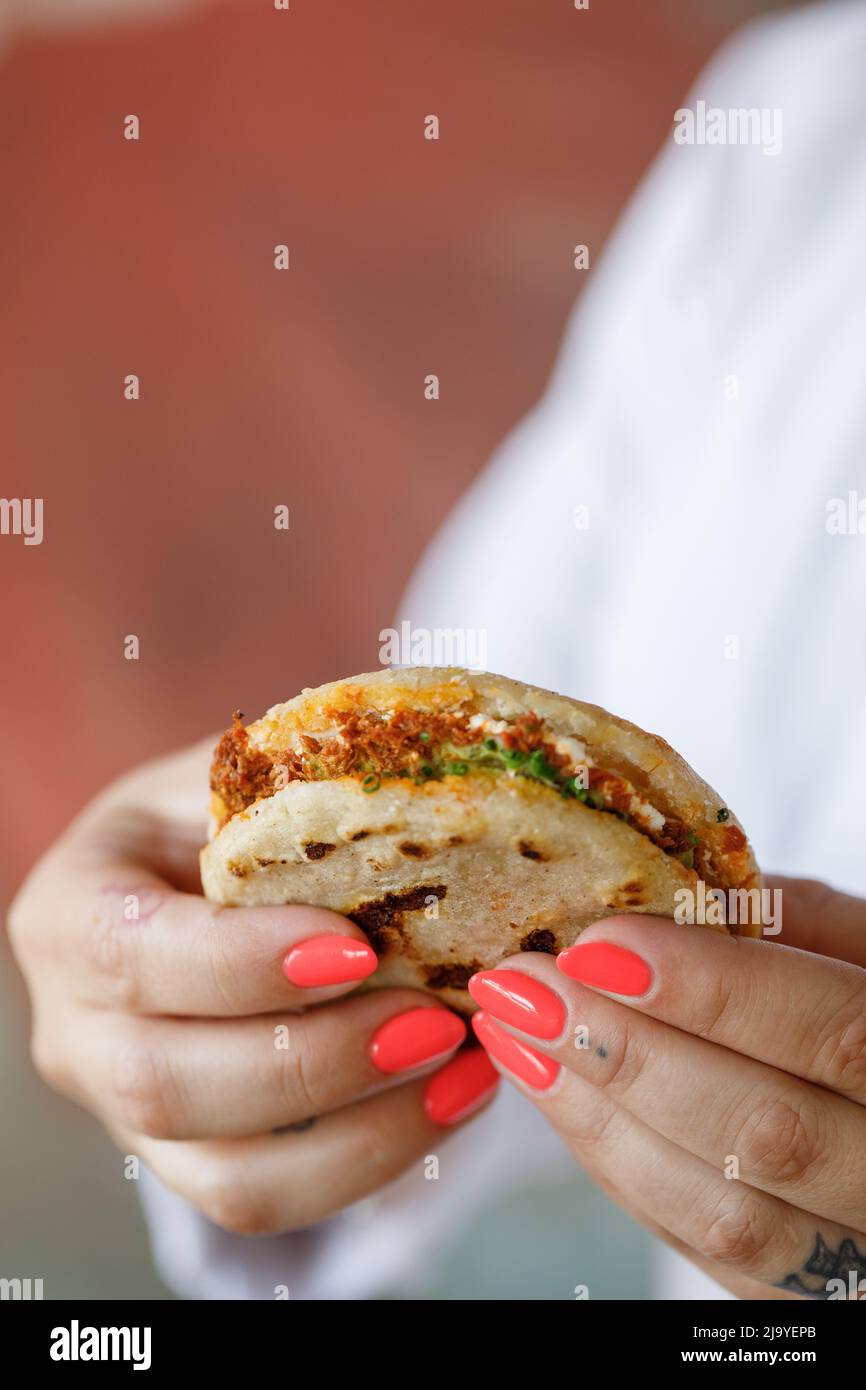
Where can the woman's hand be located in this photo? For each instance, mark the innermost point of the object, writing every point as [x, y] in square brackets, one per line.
[188, 1028]
[715, 1086]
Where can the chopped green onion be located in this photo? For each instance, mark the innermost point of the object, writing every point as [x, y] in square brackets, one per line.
[424, 736]
[491, 744]
[512, 757]
[539, 767]
[459, 769]
[371, 783]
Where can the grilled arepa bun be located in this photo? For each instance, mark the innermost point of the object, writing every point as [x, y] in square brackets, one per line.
[459, 817]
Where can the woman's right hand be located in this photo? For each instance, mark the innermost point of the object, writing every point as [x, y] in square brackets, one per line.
[218, 1044]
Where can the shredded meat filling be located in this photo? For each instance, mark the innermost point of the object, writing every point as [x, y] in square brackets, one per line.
[240, 774]
[402, 745]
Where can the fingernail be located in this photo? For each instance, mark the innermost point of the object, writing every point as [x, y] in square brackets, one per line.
[529, 1066]
[607, 966]
[329, 960]
[519, 999]
[461, 1087]
[419, 1036]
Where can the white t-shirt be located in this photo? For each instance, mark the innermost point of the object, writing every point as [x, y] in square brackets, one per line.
[708, 406]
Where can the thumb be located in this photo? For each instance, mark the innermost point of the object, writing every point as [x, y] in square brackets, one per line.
[818, 918]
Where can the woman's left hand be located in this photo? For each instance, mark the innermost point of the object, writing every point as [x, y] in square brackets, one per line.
[715, 1086]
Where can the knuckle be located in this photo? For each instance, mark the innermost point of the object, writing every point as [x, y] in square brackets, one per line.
[16, 922]
[739, 1231]
[592, 1123]
[226, 1197]
[229, 970]
[143, 1092]
[26, 922]
[113, 958]
[841, 1062]
[711, 1007]
[779, 1141]
[373, 1150]
[47, 1059]
[299, 1076]
[627, 1057]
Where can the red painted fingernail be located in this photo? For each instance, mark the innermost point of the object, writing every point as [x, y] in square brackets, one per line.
[461, 1087]
[329, 960]
[607, 966]
[409, 1039]
[530, 1066]
[521, 1000]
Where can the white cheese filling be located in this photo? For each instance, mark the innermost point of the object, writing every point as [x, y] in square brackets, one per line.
[641, 811]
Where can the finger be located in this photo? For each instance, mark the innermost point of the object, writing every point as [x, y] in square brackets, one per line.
[819, 919]
[272, 1183]
[127, 941]
[797, 1141]
[155, 816]
[741, 1285]
[798, 1012]
[191, 1079]
[727, 1222]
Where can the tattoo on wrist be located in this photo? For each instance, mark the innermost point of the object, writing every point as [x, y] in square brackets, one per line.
[847, 1265]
